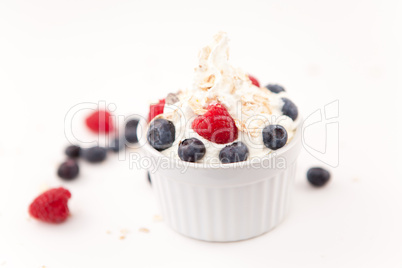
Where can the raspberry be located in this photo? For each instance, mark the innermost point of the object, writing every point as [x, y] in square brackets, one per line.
[100, 122]
[156, 109]
[254, 81]
[216, 125]
[51, 206]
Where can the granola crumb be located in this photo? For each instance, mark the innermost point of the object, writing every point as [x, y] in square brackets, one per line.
[143, 230]
[122, 237]
[108, 232]
[124, 231]
[158, 218]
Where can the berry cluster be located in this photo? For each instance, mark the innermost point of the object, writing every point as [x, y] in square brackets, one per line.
[51, 206]
[275, 136]
[217, 126]
[99, 121]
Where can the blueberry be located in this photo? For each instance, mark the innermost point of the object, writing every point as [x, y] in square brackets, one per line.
[274, 136]
[161, 134]
[235, 152]
[191, 150]
[149, 177]
[68, 170]
[289, 109]
[275, 88]
[130, 131]
[73, 151]
[116, 145]
[94, 154]
[318, 176]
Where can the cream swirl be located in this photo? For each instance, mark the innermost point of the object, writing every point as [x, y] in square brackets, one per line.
[216, 80]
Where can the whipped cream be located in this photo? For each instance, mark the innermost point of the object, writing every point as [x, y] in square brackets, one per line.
[216, 80]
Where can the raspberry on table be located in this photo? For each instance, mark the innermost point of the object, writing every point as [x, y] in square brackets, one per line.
[254, 81]
[156, 109]
[51, 206]
[100, 122]
[216, 125]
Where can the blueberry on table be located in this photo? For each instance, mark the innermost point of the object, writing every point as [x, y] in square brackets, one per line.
[68, 170]
[191, 150]
[130, 131]
[235, 152]
[94, 154]
[274, 136]
[275, 88]
[73, 151]
[116, 145]
[161, 134]
[318, 176]
[149, 177]
[289, 109]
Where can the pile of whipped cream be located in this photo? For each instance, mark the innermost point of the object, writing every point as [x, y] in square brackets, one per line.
[216, 80]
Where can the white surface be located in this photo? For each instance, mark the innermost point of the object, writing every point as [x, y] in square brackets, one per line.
[55, 54]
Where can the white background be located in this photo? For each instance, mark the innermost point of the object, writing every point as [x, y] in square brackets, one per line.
[56, 54]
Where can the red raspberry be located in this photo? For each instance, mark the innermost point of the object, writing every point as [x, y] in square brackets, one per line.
[100, 122]
[216, 125]
[254, 81]
[156, 109]
[51, 206]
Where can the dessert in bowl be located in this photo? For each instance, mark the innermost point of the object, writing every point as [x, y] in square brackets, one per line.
[224, 152]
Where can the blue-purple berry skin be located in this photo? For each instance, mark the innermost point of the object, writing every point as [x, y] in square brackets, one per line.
[275, 88]
[68, 170]
[318, 177]
[161, 134]
[235, 152]
[117, 145]
[149, 177]
[290, 109]
[191, 150]
[130, 131]
[274, 136]
[94, 154]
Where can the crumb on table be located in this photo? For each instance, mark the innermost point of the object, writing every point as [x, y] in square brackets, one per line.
[158, 218]
[143, 230]
[124, 231]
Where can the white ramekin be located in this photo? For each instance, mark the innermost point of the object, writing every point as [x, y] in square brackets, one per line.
[230, 202]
